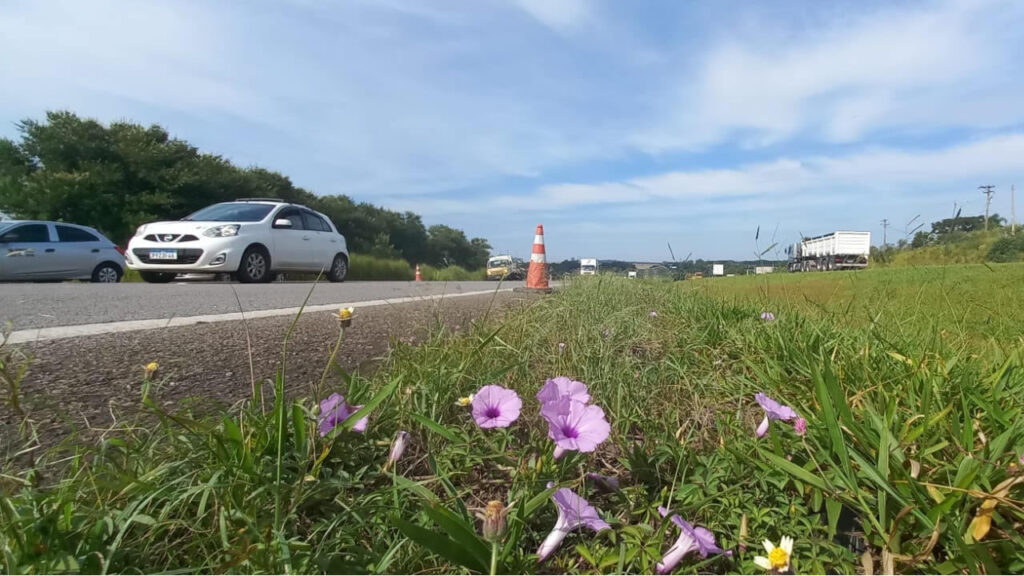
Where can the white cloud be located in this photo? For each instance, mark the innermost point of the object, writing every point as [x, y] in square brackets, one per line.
[560, 15]
[894, 68]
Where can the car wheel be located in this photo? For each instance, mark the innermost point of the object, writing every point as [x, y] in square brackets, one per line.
[339, 269]
[157, 277]
[107, 273]
[255, 266]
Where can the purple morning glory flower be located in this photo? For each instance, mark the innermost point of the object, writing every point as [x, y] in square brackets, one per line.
[496, 407]
[653, 314]
[334, 410]
[557, 388]
[575, 426]
[772, 411]
[604, 483]
[767, 316]
[573, 512]
[691, 539]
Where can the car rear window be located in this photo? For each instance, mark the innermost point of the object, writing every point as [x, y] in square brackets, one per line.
[28, 233]
[232, 212]
[314, 222]
[71, 234]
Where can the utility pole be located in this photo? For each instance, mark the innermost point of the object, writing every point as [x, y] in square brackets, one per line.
[988, 192]
[1013, 214]
[885, 231]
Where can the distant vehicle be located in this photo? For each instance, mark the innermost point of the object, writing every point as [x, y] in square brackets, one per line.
[718, 269]
[504, 267]
[763, 269]
[253, 239]
[40, 250]
[588, 266]
[631, 274]
[840, 250]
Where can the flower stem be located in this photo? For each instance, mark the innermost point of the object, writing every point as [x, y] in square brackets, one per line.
[494, 558]
[327, 368]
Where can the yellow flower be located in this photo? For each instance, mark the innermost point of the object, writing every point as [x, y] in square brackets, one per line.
[464, 401]
[778, 556]
[345, 313]
[151, 369]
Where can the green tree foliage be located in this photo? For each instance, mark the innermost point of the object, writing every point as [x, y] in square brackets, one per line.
[1007, 249]
[118, 176]
[965, 224]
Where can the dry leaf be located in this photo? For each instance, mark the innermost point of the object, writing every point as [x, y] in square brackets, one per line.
[867, 563]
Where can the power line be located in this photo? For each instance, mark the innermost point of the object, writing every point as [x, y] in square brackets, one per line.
[988, 192]
[885, 231]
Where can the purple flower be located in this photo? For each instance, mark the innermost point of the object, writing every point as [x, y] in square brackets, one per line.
[561, 387]
[800, 426]
[575, 426]
[573, 512]
[496, 407]
[653, 314]
[398, 446]
[334, 410]
[767, 316]
[604, 483]
[691, 538]
[772, 411]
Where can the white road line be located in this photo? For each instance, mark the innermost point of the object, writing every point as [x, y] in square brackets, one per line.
[58, 332]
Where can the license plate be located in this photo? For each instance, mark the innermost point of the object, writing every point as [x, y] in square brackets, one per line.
[163, 255]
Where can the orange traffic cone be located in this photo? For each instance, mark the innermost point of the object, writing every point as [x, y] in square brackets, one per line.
[419, 277]
[537, 276]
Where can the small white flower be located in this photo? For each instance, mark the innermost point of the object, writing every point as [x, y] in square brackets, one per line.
[778, 557]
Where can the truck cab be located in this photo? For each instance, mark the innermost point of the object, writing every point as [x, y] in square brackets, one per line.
[504, 267]
[588, 267]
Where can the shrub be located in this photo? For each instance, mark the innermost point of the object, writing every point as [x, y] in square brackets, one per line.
[452, 274]
[362, 267]
[1007, 249]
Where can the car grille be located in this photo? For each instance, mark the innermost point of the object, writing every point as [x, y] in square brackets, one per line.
[185, 256]
[170, 237]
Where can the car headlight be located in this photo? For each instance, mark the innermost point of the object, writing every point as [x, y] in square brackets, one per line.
[222, 231]
[140, 230]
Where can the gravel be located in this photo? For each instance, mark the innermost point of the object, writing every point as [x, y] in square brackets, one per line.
[80, 384]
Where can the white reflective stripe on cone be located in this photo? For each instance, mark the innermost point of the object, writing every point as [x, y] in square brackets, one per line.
[538, 239]
[538, 258]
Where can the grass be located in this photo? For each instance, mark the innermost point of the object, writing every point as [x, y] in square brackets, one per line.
[452, 274]
[909, 433]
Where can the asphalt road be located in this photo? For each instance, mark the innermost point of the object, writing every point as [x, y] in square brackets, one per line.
[28, 306]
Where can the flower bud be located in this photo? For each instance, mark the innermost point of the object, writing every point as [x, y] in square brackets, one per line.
[494, 521]
[151, 369]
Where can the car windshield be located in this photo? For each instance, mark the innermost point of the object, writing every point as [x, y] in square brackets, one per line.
[232, 212]
[589, 267]
[498, 262]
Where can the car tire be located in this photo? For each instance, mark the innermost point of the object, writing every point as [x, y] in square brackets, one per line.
[157, 277]
[339, 269]
[255, 266]
[107, 273]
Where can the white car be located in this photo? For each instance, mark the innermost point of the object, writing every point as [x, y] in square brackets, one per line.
[253, 239]
[32, 250]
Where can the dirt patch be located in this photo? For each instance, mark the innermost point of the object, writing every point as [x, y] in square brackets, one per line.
[79, 384]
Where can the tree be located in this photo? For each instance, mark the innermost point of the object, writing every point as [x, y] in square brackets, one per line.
[119, 176]
[921, 239]
[964, 224]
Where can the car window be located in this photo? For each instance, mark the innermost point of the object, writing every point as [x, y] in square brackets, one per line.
[314, 222]
[27, 233]
[293, 214]
[71, 234]
[232, 212]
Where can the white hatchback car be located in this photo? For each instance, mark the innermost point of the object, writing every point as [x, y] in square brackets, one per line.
[34, 250]
[253, 239]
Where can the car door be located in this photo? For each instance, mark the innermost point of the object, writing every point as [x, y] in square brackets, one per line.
[78, 251]
[292, 244]
[324, 245]
[27, 253]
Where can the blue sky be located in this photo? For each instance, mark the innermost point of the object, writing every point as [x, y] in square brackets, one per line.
[620, 126]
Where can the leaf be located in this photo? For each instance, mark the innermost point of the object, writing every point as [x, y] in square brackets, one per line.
[299, 429]
[833, 508]
[828, 416]
[441, 545]
[437, 428]
[460, 531]
[794, 470]
[369, 406]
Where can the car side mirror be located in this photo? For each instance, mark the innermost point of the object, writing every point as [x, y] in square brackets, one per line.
[283, 223]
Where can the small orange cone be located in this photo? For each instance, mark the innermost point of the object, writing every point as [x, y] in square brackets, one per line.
[537, 276]
[419, 277]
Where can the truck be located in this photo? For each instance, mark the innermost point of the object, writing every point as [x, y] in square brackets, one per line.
[718, 269]
[840, 250]
[588, 266]
[504, 267]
